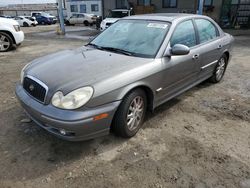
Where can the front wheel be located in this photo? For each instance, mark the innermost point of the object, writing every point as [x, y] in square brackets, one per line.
[130, 114]
[6, 42]
[220, 69]
[25, 24]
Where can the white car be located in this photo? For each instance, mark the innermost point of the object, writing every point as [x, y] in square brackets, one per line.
[25, 22]
[114, 15]
[86, 19]
[10, 34]
[33, 19]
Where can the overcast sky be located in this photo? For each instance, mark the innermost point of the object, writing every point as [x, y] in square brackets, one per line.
[6, 2]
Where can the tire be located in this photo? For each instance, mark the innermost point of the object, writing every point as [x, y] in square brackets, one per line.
[130, 114]
[67, 23]
[25, 24]
[219, 70]
[6, 42]
[43, 23]
[86, 23]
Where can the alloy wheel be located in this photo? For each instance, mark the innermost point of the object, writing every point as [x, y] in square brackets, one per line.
[220, 69]
[4, 43]
[135, 113]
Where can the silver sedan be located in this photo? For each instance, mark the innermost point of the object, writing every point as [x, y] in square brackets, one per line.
[137, 64]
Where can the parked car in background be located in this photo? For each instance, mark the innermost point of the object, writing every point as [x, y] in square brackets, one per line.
[25, 22]
[113, 16]
[86, 19]
[33, 19]
[43, 20]
[5, 16]
[135, 65]
[10, 34]
[39, 15]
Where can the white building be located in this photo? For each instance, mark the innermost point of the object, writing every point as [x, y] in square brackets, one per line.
[84, 6]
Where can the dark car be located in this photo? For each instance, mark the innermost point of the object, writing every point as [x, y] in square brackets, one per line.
[53, 19]
[135, 65]
[42, 20]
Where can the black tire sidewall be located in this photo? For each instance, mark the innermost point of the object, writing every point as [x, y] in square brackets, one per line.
[86, 23]
[120, 120]
[10, 40]
[25, 24]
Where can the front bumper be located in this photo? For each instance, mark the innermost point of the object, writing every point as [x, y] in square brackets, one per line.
[79, 125]
[19, 37]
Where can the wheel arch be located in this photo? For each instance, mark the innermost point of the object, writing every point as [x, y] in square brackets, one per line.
[148, 91]
[10, 34]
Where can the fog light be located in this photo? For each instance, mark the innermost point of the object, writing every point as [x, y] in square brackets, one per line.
[63, 132]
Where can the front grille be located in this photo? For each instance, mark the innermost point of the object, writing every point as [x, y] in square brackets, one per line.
[35, 89]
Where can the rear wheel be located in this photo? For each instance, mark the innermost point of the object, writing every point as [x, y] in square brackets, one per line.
[86, 23]
[6, 42]
[220, 69]
[130, 114]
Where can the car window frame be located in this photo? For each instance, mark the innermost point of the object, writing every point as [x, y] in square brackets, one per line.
[218, 34]
[195, 31]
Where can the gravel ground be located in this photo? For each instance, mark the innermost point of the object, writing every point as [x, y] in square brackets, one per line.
[200, 139]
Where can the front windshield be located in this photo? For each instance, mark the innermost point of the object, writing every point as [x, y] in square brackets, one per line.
[118, 14]
[138, 37]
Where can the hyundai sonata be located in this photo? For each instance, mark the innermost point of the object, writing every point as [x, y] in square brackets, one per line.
[137, 64]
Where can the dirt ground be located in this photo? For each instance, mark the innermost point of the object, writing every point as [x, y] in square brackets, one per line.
[200, 139]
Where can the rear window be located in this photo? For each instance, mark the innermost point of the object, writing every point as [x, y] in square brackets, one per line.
[206, 30]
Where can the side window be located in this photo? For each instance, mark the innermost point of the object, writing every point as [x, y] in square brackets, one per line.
[206, 30]
[184, 34]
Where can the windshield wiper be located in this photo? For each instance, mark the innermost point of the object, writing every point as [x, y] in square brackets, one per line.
[118, 50]
[95, 46]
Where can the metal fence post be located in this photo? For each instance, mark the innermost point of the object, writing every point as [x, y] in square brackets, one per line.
[200, 7]
[61, 20]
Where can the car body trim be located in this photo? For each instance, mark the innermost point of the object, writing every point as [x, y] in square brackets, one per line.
[159, 89]
[209, 64]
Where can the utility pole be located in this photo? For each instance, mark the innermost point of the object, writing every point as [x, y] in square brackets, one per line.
[200, 11]
[61, 20]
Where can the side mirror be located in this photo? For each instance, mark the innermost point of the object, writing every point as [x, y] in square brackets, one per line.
[180, 49]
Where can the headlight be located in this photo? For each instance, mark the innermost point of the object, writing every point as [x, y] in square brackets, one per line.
[16, 27]
[74, 99]
[22, 72]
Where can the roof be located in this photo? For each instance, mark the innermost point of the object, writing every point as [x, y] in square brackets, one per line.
[170, 17]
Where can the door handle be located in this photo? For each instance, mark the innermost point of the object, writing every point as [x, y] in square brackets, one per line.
[219, 47]
[196, 56]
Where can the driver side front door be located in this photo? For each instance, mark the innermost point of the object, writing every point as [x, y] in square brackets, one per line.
[179, 72]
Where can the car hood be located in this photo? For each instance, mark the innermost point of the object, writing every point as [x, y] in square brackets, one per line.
[110, 20]
[70, 69]
[8, 21]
